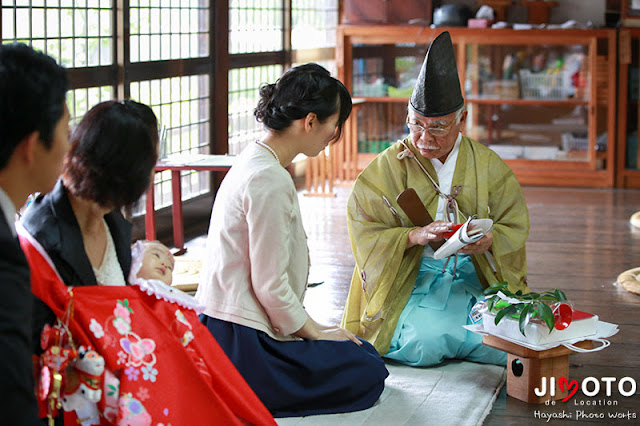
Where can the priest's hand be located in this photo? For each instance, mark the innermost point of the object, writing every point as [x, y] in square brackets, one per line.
[432, 232]
[480, 246]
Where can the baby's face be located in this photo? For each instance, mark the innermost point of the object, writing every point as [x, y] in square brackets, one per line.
[157, 263]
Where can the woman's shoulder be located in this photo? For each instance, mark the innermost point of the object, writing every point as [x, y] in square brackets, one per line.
[261, 173]
[40, 220]
[54, 202]
[271, 183]
[253, 178]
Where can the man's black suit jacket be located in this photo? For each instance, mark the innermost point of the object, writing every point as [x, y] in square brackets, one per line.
[17, 396]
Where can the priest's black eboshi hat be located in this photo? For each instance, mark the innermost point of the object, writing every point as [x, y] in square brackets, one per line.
[437, 91]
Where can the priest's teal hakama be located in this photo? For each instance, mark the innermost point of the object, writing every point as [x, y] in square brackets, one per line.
[441, 301]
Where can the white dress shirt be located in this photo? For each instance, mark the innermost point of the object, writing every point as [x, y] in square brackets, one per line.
[8, 210]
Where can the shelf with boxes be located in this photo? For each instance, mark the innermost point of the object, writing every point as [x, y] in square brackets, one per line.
[543, 99]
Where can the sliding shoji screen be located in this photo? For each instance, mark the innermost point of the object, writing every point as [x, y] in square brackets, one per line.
[256, 43]
[78, 34]
[313, 34]
[265, 38]
[164, 30]
[182, 107]
[314, 24]
[158, 52]
[170, 40]
[244, 84]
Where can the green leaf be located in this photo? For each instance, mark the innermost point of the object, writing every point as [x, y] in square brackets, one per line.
[508, 293]
[507, 311]
[546, 314]
[501, 304]
[490, 302]
[530, 296]
[548, 297]
[494, 288]
[489, 291]
[525, 316]
[560, 295]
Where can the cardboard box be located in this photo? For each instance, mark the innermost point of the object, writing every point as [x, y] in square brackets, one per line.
[478, 23]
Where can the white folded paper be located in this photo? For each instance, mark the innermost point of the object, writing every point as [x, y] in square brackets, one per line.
[604, 331]
[470, 232]
[538, 333]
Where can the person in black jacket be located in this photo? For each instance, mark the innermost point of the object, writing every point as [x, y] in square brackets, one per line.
[34, 138]
[79, 224]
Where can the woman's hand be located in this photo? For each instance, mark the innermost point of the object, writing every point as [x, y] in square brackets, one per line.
[480, 246]
[338, 334]
[432, 232]
[314, 331]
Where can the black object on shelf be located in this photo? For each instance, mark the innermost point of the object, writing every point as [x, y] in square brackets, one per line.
[452, 15]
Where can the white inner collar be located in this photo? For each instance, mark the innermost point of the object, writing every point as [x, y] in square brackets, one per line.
[445, 173]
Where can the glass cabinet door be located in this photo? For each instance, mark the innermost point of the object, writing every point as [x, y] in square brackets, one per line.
[628, 173]
[384, 75]
[543, 99]
[531, 102]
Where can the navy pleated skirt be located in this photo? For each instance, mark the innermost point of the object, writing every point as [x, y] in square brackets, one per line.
[305, 377]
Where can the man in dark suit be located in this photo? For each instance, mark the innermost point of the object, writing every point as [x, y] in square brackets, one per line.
[34, 137]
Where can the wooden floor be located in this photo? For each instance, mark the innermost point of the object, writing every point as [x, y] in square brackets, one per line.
[580, 241]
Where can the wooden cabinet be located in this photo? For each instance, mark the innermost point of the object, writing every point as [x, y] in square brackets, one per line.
[628, 155]
[545, 100]
[630, 13]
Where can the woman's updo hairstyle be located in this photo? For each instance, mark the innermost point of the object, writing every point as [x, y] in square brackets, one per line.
[300, 91]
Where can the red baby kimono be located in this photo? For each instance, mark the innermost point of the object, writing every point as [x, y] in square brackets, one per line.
[168, 368]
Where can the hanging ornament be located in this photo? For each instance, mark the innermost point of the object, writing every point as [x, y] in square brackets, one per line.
[59, 352]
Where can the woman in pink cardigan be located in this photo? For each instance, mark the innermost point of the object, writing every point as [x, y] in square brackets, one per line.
[256, 262]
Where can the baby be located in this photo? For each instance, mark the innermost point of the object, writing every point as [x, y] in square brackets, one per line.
[157, 261]
[152, 270]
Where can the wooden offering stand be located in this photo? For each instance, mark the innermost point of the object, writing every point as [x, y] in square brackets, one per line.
[526, 367]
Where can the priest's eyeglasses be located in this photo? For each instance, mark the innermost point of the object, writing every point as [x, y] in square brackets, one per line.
[437, 131]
